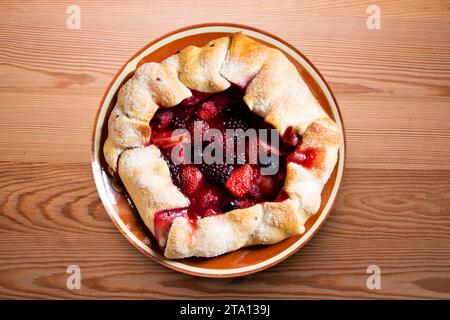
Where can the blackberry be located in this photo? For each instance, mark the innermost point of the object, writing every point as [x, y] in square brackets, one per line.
[230, 204]
[182, 118]
[216, 172]
[180, 123]
[231, 145]
[174, 171]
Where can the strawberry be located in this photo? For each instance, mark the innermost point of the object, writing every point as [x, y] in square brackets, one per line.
[240, 181]
[191, 179]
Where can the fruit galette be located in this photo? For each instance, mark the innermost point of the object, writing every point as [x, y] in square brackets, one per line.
[221, 147]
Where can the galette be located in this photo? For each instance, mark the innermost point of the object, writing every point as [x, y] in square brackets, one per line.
[221, 147]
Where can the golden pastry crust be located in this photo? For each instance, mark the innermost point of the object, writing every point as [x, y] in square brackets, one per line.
[244, 60]
[274, 90]
[199, 68]
[153, 85]
[264, 223]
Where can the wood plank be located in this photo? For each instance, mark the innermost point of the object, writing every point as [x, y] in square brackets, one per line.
[51, 217]
[392, 85]
[381, 132]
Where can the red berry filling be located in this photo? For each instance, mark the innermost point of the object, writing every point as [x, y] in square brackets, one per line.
[166, 139]
[306, 158]
[220, 187]
[291, 137]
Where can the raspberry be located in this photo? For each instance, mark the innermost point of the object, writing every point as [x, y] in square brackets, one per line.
[240, 181]
[191, 179]
[216, 172]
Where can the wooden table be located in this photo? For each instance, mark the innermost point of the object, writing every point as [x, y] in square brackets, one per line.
[393, 88]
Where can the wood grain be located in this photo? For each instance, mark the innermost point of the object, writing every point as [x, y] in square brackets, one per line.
[52, 217]
[393, 88]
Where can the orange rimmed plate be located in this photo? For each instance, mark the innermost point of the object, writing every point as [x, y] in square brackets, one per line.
[124, 215]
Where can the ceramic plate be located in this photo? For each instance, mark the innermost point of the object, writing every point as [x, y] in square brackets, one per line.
[123, 214]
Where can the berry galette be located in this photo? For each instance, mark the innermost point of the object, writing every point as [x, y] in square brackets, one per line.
[221, 147]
